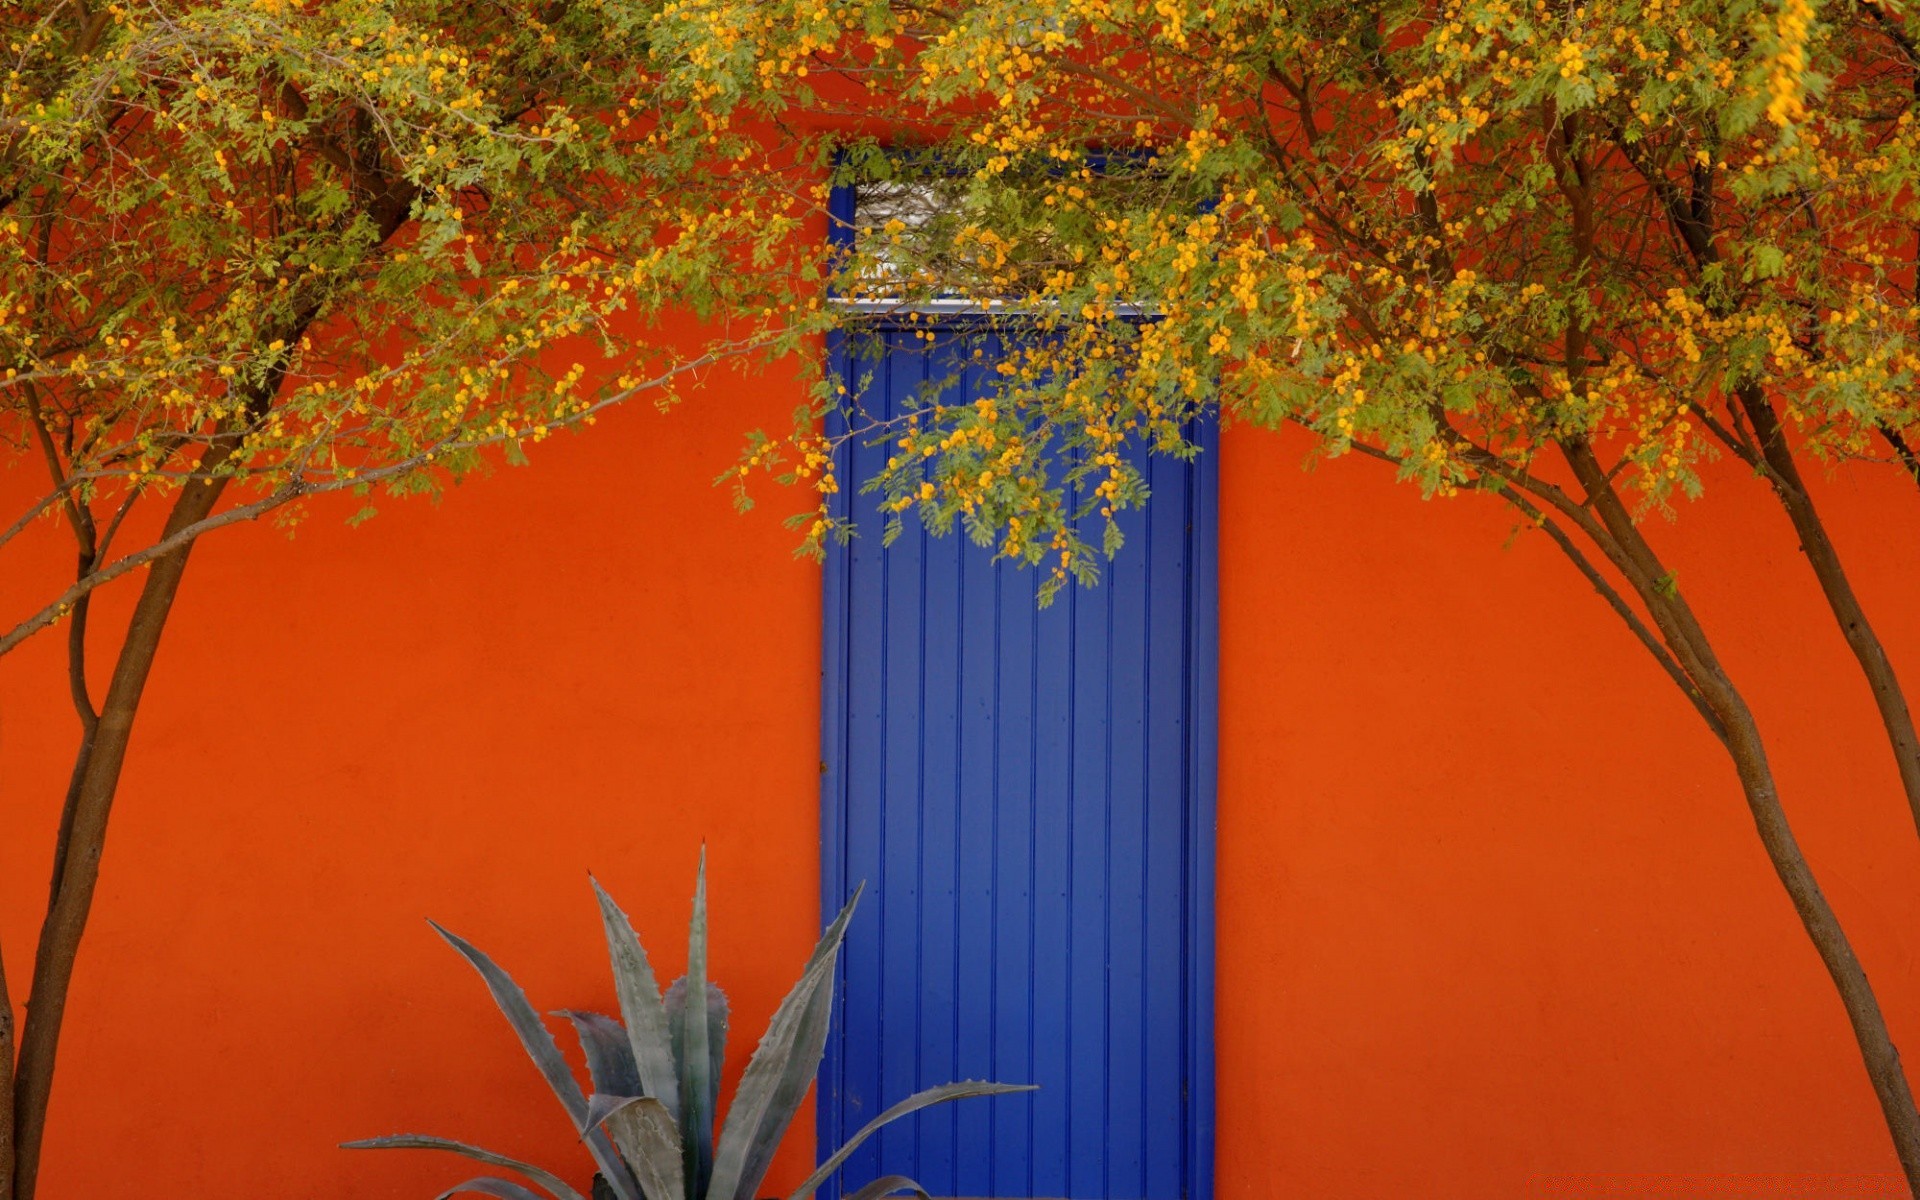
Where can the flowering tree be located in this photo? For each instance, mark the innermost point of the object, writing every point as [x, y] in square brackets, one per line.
[254, 251]
[1556, 254]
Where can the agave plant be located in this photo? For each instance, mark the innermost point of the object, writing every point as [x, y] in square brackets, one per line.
[649, 1118]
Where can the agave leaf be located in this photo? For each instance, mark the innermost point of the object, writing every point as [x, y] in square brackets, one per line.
[421, 1141]
[912, 1104]
[534, 1036]
[697, 1080]
[649, 1141]
[793, 1074]
[487, 1185]
[602, 1105]
[540, 1046]
[887, 1185]
[648, 1033]
[609, 1055]
[716, 1031]
[780, 1072]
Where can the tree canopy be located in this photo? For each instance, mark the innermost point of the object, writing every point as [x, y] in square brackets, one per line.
[1459, 234]
[314, 247]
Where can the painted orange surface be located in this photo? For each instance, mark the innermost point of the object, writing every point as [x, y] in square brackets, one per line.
[1492, 920]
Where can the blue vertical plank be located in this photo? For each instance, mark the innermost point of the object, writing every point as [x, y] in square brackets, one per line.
[939, 825]
[1128, 803]
[977, 962]
[1014, 892]
[1203, 708]
[865, 822]
[1051, 832]
[1165, 850]
[848, 1094]
[1082, 1021]
[898, 1043]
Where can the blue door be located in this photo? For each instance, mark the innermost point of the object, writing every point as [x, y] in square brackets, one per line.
[1027, 793]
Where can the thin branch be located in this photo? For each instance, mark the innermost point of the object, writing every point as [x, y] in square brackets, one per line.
[1608, 592]
[134, 492]
[80, 520]
[1894, 32]
[1618, 603]
[34, 512]
[78, 516]
[1733, 437]
[1783, 473]
[301, 488]
[1903, 450]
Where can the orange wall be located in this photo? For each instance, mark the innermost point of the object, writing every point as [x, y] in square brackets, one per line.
[1494, 920]
[1490, 909]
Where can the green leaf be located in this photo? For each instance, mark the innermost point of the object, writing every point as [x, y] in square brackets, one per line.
[645, 1133]
[540, 1047]
[780, 1072]
[887, 1185]
[609, 1056]
[697, 1079]
[421, 1141]
[912, 1104]
[716, 1032]
[487, 1185]
[648, 1031]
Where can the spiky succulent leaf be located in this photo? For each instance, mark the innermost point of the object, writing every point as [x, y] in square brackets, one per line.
[487, 1185]
[609, 1055]
[887, 1185]
[545, 1052]
[780, 1072]
[649, 1141]
[648, 1032]
[697, 1080]
[600, 1106]
[422, 1141]
[716, 1032]
[912, 1104]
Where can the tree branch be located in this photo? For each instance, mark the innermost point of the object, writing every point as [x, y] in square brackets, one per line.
[1651, 642]
[6, 1084]
[303, 488]
[32, 514]
[1746, 747]
[1783, 474]
[1617, 602]
[1903, 450]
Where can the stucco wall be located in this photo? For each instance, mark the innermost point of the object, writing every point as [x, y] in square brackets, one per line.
[1494, 920]
[1490, 909]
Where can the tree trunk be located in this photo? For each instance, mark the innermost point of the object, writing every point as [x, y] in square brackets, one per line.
[1870, 1031]
[79, 860]
[6, 1085]
[1783, 473]
[1740, 733]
